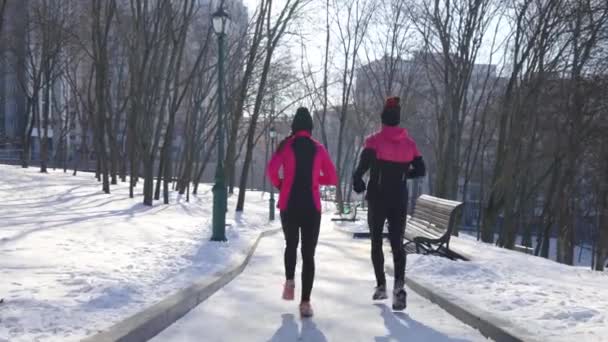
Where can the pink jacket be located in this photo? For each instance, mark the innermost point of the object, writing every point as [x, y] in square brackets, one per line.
[324, 171]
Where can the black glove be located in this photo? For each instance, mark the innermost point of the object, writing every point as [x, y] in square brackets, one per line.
[359, 186]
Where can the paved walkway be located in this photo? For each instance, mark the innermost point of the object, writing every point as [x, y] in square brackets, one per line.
[250, 308]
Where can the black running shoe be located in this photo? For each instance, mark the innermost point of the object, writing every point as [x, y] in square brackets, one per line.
[399, 299]
[380, 293]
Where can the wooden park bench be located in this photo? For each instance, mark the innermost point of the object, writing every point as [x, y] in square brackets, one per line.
[524, 249]
[429, 228]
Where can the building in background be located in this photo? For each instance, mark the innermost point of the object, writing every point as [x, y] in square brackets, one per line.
[12, 77]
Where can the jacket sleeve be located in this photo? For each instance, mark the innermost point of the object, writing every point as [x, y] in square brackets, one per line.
[417, 167]
[365, 162]
[328, 170]
[273, 168]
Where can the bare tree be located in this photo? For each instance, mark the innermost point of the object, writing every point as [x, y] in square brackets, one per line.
[352, 18]
[198, 131]
[46, 32]
[534, 51]
[79, 77]
[103, 16]
[177, 91]
[152, 64]
[391, 41]
[274, 32]
[452, 31]
[252, 58]
[549, 105]
[587, 21]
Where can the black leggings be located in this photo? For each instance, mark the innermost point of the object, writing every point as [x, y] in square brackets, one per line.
[309, 223]
[377, 215]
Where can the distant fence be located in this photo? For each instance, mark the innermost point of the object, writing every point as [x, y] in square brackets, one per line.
[13, 157]
[10, 155]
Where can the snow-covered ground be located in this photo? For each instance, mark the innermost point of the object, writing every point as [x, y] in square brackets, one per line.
[544, 299]
[582, 254]
[74, 260]
[250, 307]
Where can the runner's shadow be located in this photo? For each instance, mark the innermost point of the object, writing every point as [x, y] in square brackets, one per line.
[311, 333]
[401, 327]
[289, 331]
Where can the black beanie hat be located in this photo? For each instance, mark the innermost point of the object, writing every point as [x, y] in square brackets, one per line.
[391, 114]
[302, 121]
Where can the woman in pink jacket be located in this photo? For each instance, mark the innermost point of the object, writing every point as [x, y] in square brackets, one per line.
[306, 165]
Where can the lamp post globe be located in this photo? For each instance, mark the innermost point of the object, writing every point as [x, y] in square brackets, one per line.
[221, 20]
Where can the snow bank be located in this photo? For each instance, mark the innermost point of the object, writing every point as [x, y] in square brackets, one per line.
[554, 301]
[74, 260]
[548, 300]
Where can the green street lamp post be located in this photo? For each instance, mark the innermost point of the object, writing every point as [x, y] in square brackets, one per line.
[221, 20]
[273, 136]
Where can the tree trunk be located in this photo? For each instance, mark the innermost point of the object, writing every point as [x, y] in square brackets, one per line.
[199, 175]
[148, 180]
[83, 156]
[134, 164]
[339, 190]
[27, 136]
[526, 239]
[490, 218]
[545, 243]
[190, 156]
[123, 168]
[602, 240]
[100, 30]
[77, 157]
[159, 179]
[44, 139]
[113, 154]
[64, 157]
[184, 171]
[565, 246]
[101, 144]
[133, 160]
[168, 175]
[509, 228]
[602, 245]
[240, 206]
[168, 154]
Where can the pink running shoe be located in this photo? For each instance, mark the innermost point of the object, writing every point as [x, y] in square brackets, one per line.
[288, 290]
[306, 310]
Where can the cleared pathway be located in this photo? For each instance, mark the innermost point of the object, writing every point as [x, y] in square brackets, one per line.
[250, 308]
